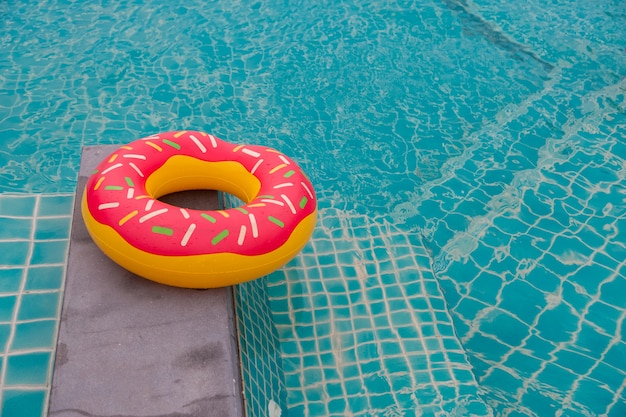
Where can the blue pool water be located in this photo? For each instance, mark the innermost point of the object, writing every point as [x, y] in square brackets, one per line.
[470, 163]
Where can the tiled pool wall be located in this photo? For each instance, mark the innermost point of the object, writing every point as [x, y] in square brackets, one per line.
[363, 326]
[34, 235]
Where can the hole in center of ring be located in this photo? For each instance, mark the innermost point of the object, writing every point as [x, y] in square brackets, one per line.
[205, 200]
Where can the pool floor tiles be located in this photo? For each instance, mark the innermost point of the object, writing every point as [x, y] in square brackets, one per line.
[360, 327]
[34, 236]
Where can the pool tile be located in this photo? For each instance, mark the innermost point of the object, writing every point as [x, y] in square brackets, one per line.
[52, 228]
[56, 205]
[49, 252]
[15, 228]
[7, 306]
[5, 333]
[34, 335]
[39, 306]
[23, 403]
[18, 206]
[14, 253]
[44, 278]
[27, 369]
[11, 279]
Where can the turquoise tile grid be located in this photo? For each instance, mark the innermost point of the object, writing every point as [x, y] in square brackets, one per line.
[364, 328]
[31, 286]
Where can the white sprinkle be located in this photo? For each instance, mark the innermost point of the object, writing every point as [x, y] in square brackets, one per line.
[256, 166]
[151, 215]
[242, 235]
[307, 189]
[188, 234]
[131, 193]
[250, 152]
[134, 156]
[111, 168]
[255, 230]
[285, 160]
[108, 206]
[283, 185]
[133, 166]
[267, 200]
[149, 205]
[151, 137]
[185, 213]
[198, 143]
[213, 141]
[289, 203]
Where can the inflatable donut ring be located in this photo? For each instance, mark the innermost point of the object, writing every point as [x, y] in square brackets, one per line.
[195, 248]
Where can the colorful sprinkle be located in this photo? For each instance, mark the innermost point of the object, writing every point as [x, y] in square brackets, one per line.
[133, 166]
[130, 193]
[112, 158]
[98, 183]
[276, 168]
[172, 144]
[135, 156]
[217, 239]
[237, 148]
[276, 221]
[272, 150]
[303, 202]
[224, 213]
[185, 214]
[95, 171]
[256, 166]
[129, 182]
[209, 218]
[255, 229]
[307, 189]
[155, 146]
[242, 235]
[162, 230]
[283, 185]
[213, 141]
[278, 203]
[285, 160]
[179, 134]
[108, 206]
[241, 209]
[128, 217]
[149, 205]
[113, 188]
[111, 168]
[128, 148]
[151, 215]
[289, 203]
[251, 152]
[265, 196]
[188, 234]
[256, 205]
[143, 196]
[198, 144]
[289, 173]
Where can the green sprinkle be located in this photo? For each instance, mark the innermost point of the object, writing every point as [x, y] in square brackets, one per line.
[217, 239]
[289, 173]
[241, 209]
[95, 171]
[162, 230]
[129, 182]
[113, 187]
[172, 144]
[209, 218]
[265, 196]
[303, 202]
[276, 221]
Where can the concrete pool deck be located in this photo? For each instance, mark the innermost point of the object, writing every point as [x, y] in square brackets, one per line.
[128, 346]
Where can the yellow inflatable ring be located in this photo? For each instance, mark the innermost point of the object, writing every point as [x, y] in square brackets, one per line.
[194, 248]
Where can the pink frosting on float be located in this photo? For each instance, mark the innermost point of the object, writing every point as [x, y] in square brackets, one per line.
[116, 196]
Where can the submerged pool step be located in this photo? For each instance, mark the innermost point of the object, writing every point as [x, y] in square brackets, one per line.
[129, 346]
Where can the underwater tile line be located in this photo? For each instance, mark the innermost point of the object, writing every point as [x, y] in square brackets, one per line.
[34, 240]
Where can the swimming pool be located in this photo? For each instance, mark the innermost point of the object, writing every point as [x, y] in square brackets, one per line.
[469, 159]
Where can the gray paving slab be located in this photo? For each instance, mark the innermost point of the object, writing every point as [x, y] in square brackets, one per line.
[130, 347]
